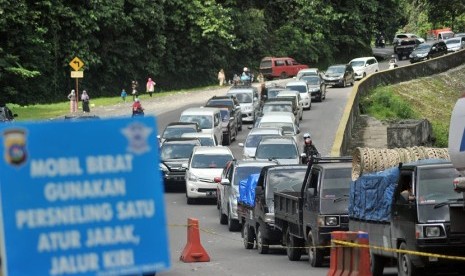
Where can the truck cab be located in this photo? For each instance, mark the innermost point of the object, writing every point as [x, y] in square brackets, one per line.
[419, 222]
[307, 218]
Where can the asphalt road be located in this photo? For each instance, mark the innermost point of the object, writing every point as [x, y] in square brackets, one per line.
[228, 256]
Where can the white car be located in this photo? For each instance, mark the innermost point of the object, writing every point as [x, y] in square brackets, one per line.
[205, 164]
[364, 66]
[455, 44]
[295, 95]
[254, 137]
[302, 87]
[208, 118]
[307, 72]
[284, 121]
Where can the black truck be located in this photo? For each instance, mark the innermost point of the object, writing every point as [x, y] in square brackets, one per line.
[404, 47]
[306, 218]
[257, 218]
[408, 209]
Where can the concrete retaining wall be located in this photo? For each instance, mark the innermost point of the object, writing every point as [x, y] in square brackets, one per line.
[341, 144]
[409, 133]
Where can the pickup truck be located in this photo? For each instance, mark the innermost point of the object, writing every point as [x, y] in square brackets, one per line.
[255, 204]
[306, 218]
[404, 47]
[406, 208]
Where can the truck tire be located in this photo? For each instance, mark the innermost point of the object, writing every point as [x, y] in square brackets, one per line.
[262, 243]
[233, 224]
[315, 255]
[294, 247]
[377, 263]
[248, 237]
[405, 267]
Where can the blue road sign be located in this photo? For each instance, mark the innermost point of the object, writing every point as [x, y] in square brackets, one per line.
[82, 198]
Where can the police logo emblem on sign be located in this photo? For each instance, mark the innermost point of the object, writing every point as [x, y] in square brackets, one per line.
[14, 143]
[137, 135]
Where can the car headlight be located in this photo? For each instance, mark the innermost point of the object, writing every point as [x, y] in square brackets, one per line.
[163, 167]
[328, 221]
[191, 176]
[269, 217]
[432, 231]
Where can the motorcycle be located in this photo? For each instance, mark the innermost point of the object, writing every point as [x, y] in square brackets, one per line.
[309, 151]
[137, 112]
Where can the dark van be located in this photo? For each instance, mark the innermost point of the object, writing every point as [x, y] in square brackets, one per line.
[280, 67]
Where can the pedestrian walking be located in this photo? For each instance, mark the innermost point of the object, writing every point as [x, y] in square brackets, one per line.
[134, 86]
[124, 95]
[221, 77]
[150, 87]
[85, 101]
[72, 101]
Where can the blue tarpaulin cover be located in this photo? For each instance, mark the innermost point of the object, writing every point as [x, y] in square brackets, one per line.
[371, 195]
[247, 189]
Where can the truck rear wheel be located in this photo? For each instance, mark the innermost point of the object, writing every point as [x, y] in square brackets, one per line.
[315, 255]
[405, 267]
[262, 243]
[248, 237]
[294, 247]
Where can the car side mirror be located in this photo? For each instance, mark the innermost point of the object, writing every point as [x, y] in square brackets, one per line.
[185, 165]
[240, 144]
[225, 182]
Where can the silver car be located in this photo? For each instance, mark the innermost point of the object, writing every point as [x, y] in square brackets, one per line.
[228, 188]
[255, 136]
[282, 149]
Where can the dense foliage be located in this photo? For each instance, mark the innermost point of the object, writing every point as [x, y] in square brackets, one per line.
[183, 43]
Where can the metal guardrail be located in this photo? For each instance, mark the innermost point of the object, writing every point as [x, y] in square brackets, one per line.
[341, 146]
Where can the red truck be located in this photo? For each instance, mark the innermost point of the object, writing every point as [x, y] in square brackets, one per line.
[280, 67]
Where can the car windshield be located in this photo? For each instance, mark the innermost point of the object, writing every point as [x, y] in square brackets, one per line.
[277, 107]
[242, 173]
[276, 151]
[337, 183]
[272, 93]
[300, 75]
[284, 181]
[244, 97]
[253, 139]
[288, 128]
[205, 122]
[311, 80]
[453, 41]
[358, 63]
[203, 161]
[224, 115]
[335, 70]
[423, 47]
[176, 151]
[207, 141]
[220, 102]
[300, 88]
[435, 185]
[176, 132]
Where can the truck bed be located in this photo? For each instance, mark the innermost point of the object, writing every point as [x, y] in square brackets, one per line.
[287, 208]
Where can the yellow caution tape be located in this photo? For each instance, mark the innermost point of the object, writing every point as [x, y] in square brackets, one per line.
[388, 249]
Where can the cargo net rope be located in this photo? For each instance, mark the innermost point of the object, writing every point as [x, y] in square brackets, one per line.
[366, 160]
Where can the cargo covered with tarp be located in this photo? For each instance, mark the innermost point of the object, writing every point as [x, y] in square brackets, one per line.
[247, 190]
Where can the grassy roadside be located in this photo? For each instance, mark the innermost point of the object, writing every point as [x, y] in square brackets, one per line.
[432, 98]
[47, 111]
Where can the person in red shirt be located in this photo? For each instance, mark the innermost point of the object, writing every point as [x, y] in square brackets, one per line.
[137, 109]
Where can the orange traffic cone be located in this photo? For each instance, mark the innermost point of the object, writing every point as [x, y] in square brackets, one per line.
[194, 251]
